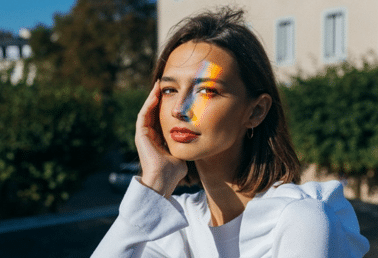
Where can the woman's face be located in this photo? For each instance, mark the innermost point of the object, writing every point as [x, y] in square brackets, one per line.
[204, 109]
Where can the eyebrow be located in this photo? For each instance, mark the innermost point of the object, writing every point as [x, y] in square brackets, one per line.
[168, 79]
[194, 81]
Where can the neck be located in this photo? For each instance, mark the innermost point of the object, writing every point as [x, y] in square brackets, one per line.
[217, 174]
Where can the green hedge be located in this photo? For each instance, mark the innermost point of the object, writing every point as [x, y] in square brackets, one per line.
[127, 104]
[333, 117]
[49, 137]
[53, 136]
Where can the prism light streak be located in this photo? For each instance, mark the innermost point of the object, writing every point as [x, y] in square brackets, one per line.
[195, 105]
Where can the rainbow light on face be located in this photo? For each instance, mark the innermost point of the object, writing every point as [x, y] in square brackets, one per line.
[196, 105]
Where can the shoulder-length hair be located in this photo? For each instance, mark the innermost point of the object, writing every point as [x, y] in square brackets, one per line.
[269, 156]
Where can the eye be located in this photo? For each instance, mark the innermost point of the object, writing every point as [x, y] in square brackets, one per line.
[167, 91]
[207, 91]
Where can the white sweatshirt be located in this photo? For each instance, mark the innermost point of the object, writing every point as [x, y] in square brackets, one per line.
[313, 220]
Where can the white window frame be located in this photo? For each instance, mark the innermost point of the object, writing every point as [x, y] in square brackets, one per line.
[289, 41]
[12, 52]
[334, 34]
[26, 51]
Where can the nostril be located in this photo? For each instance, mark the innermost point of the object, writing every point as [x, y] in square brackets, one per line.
[183, 110]
[180, 114]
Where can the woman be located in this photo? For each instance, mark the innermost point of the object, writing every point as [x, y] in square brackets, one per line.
[214, 117]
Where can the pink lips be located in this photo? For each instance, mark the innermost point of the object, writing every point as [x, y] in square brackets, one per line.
[183, 135]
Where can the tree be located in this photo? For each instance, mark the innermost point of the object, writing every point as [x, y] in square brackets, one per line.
[4, 35]
[334, 119]
[54, 133]
[99, 44]
[50, 140]
[103, 45]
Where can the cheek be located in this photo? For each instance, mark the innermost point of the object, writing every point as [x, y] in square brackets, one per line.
[226, 121]
[199, 111]
[164, 114]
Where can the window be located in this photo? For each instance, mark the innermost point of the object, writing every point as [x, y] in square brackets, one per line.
[12, 53]
[285, 41]
[26, 51]
[334, 35]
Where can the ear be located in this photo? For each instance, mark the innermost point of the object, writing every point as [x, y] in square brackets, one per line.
[259, 109]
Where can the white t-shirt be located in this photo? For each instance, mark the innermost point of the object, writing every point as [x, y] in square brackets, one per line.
[313, 220]
[226, 238]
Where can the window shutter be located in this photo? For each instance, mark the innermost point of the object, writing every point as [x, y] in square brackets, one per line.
[281, 42]
[290, 41]
[328, 36]
[339, 34]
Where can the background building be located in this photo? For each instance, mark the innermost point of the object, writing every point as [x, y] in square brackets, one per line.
[13, 52]
[297, 34]
[14, 49]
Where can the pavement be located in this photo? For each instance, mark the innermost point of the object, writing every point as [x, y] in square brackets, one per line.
[82, 222]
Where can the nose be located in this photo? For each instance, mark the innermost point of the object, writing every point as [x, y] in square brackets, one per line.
[182, 109]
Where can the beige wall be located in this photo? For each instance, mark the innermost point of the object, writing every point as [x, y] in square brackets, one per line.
[362, 34]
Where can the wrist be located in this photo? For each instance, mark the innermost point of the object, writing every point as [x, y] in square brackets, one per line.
[158, 185]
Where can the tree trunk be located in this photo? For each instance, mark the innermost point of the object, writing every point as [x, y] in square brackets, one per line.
[357, 187]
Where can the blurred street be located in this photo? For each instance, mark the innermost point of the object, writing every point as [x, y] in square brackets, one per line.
[80, 238]
[75, 239]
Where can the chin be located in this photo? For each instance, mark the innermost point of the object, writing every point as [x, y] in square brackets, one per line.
[184, 155]
[184, 151]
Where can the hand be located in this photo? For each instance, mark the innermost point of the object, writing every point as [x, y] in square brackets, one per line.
[160, 170]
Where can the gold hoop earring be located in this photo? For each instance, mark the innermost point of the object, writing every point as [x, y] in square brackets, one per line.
[250, 133]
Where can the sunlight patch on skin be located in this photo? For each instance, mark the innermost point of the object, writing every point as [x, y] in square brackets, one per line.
[197, 104]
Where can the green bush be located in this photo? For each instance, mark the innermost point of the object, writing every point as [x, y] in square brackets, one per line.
[53, 136]
[127, 104]
[334, 120]
[50, 137]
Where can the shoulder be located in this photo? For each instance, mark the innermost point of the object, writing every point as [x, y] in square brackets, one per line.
[325, 191]
[315, 203]
[318, 201]
[311, 204]
[319, 218]
[306, 218]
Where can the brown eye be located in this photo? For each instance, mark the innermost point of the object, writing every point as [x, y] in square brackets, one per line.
[167, 91]
[207, 91]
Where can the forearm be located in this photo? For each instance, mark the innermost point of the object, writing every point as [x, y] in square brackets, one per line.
[144, 216]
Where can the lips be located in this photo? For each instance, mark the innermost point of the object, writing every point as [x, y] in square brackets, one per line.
[183, 135]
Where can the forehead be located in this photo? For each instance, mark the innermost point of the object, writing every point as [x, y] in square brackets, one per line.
[190, 57]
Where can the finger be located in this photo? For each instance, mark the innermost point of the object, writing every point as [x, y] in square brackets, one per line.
[150, 102]
[154, 94]
[147, 113]
[150, 114]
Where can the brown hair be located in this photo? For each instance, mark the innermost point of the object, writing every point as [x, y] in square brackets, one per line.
[269, 156]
